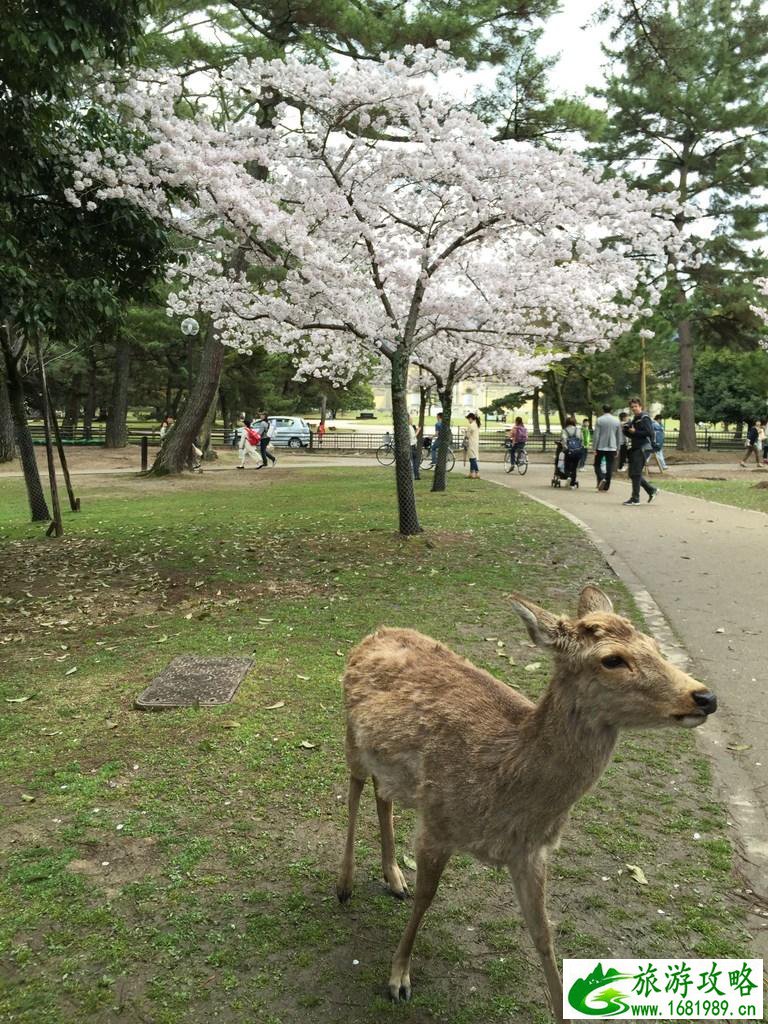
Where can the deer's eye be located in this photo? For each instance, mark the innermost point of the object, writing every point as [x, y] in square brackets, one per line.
[613, 661]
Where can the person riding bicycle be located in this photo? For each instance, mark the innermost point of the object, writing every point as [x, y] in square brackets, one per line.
[517, 438]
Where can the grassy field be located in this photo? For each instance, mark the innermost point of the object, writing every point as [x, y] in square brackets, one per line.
[179, 868]
[746, 493]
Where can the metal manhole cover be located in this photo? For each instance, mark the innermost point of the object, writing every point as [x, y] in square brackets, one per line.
[191, 681]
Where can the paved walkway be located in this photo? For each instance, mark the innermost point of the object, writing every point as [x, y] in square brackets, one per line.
[705, 565]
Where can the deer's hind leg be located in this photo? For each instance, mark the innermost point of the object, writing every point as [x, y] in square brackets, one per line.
[393, 876]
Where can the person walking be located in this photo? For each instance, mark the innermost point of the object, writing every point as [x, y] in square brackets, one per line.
[624, 446]
[586, 438]
[415, 453]
[657, 445]
[263, 428]
[606, 442]
[472, 444]
[320, 433]
[572, 442]
[765, 442]
[249, 444]
[639, 431]
[752, 444]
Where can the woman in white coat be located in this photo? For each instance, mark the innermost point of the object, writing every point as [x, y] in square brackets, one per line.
[472, 444]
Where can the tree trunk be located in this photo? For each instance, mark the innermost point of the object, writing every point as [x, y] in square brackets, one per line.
[547, 421]
[38, 506]
[323, 407]
[406, 496]
[117, 429]
[71, 408]
[174, 454]
[557, 393]
[535, 410]
[686, 440]
[89, 403]
[209, 452]
[424, 395]
[445, 395]
[7, 432]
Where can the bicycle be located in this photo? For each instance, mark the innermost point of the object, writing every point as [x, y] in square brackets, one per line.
[385, 454]
[519, 463]
[426, 458]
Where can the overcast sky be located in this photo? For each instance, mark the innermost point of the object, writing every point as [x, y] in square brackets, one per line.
[578, 42]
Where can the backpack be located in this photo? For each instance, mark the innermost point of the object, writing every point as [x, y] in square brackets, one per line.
[522, 435]
[573, 443]
[658, 437]
[252, 436]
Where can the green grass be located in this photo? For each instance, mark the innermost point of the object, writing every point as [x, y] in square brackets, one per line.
[741, 493]
[179, 867]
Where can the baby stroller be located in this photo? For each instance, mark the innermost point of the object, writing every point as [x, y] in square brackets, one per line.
[560, 473]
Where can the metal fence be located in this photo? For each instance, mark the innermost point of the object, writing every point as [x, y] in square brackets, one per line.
[364, 441]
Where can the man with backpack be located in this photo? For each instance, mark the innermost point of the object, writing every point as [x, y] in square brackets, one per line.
[639, 432]
[250, 439]
[572, 443]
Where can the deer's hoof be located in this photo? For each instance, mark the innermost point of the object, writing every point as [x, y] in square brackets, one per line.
[344, 894]
[398, 886]
[400, 987]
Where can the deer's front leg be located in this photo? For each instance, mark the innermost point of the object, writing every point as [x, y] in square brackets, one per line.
[429, 868]
[530, 877]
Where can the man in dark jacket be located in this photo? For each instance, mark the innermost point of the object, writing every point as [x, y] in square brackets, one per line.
[639, 432]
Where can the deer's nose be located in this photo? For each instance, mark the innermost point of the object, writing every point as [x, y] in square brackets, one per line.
[706, 700]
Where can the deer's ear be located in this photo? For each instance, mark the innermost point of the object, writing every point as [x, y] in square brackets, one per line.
[543, 627]
[592, 599]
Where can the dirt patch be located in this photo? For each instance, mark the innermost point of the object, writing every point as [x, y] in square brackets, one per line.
[114, 864]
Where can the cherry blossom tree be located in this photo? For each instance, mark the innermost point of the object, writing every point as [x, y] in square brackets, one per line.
[384, 222]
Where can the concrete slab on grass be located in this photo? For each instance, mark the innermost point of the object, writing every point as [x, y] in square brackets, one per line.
[191, 681]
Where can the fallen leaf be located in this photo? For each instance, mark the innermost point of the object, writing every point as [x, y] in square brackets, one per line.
[340, 654]
[71, 670]
[110, 725]
[533, 667]
[409, 862]
[739, 746]
[232, 724]
[18, 700]
[27, 798]
[304, 679]
[720, 630]
[162, 639]
[637, 873]
[307, 745]
[265, 621]
[274, 707]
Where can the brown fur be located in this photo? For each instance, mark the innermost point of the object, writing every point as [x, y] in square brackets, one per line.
[490, 772]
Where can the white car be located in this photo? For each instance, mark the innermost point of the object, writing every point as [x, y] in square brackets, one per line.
[288, 431]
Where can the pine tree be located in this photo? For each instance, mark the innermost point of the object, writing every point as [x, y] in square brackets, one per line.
[688, 113]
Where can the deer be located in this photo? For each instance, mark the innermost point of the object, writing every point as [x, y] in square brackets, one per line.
[489, 772]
